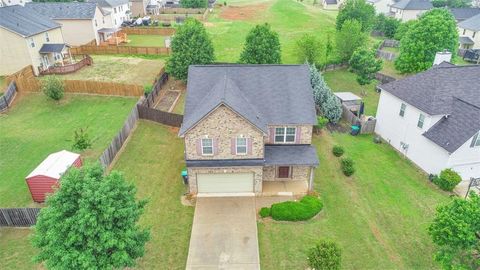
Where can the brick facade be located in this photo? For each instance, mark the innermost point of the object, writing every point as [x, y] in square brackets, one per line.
[298, 173]
[305, 134]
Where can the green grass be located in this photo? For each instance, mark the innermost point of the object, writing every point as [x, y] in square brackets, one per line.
[291, 19]
[388, 68]
[108, 68]
[36, 127]
[343, 80]
[379, 216]
[145, 41]
[17, 251]
[153, 160]
[180, 106]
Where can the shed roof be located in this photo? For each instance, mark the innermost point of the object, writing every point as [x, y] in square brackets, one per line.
[347, 96]
[24, 21]
[65, 10]
[55, 164]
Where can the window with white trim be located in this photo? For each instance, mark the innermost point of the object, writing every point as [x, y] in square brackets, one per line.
[47, 38]
[421, 120]
[241, 146]
[476, 140]
[32, 43]
[207, 146]
[285, 134]
[403, 107]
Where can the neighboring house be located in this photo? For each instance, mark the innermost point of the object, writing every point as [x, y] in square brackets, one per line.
[381, 6]
[461, 14]
[331, 4]
[28, 38]
[5, 3]
[248, 126]
[433, 118]
[118, 10]
[139, 7]
[81, 21]
[469, 32]
[406, 10]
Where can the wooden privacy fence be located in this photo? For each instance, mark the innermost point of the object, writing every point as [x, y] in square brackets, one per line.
[166, 118]
[88, 49]
[390, 56]
[8, 96]
[182, 10]
[331, 67]
[18, 217]
[148, 31]
[367, 125]
[103, 88]
[25, 80]
[86, 61]
[382, 78]
[390, 43]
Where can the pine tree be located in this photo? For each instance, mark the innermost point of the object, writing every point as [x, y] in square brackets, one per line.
[324, 98]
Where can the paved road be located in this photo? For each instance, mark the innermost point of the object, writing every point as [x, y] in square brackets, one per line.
[224, 234]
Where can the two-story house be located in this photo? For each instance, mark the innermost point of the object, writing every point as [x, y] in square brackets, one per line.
[469, 32]
[433, 118]
[81, 22]
[406, 10]
[117, 10]
[246, 126]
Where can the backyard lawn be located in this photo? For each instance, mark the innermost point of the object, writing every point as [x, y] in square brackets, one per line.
[121, 69]
[379, 216]
[145, 41]
[36, 127]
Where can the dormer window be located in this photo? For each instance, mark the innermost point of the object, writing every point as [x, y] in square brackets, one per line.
[285, 134]
[475, 140]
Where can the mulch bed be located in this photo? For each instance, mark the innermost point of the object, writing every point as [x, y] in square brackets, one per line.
[166, 102]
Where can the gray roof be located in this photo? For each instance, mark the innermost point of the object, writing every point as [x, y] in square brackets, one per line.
[331, 2]
[52, 48]
[109, 3]
[444, 90]
[461, 14]
[262, 94]
[25, 21]
[473, 23]
[65, 10]
[291, 155]
[413, 5]
[465, 40]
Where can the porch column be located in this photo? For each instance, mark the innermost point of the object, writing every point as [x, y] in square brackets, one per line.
[310, 184]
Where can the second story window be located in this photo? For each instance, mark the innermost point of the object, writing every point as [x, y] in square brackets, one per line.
[241, 146]
[207, 146]
[47, 38]
[476, 140]
[421, 120]
[464, 31]
[285, 134]
[114, 10]
[96, 24]
[403, 107]
[474, 33]
[32, 42]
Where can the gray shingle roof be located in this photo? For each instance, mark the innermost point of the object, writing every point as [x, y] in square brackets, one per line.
[461, 14]
[413, 5]
[291, 155]
[444, 90]
[262, 94]
[52, 47]
[109, 3]
[466, 40]
[24, 21]
[65, 10]
[473, 23]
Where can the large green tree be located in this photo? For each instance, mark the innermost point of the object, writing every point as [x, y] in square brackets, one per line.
[403, 28]
[91, 222]
[262, 46]
[191, 45]
[194, 3]
[456, 232]
[435, 31]
[452, 3]
[349, 38]
[365, 65]
[387, 25]
[309, 49]
[356, 10]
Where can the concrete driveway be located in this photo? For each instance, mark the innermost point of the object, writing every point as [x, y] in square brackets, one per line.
[224, 234]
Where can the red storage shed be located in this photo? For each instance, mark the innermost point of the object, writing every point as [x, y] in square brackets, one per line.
[46, 176]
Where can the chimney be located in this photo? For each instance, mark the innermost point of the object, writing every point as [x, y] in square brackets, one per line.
[444, 56]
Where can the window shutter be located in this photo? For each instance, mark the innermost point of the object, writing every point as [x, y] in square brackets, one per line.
[233, 146]
[298, 135]
[249, 146]
[199, 147]
[272, 135]
[474, 140]
[215, 146]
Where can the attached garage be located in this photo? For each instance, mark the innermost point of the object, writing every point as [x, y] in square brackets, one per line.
[225, 183]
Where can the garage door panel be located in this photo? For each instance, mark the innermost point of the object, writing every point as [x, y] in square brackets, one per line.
[225, 183]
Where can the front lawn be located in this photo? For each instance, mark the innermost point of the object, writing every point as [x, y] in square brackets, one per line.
[120, 69]
[35, 127]
[145, 41]
[379, 216]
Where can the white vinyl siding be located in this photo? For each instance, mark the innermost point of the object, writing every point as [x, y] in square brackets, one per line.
[225, 183]
[402, 110]
[421, 120]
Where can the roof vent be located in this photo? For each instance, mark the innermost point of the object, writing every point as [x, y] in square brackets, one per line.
[444, 56]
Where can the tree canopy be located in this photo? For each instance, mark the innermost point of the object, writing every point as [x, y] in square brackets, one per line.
[349, 38]
[387, 25]
[452, 3]
[435, 31]
[358, 10]
[403, 29]
[309, 49]
[365, 65]
[191, 45]
[194, 3]
[262, 46]
[90, 222]
[324, 98]
[455, 230]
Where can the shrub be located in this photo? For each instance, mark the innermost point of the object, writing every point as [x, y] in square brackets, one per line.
[321, 122]
[81, 139]
[305, 209]
[53, 87]
[325, 255]
[147, 89]
[338, 151]
[265, 212]
[347, 166]
[447, 180]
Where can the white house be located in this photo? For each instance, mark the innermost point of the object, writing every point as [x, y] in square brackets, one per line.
[469, 32]
[381, 6]
[406, 10]
[433, 118]
[5, 3]
[119, 10]
[331, 4]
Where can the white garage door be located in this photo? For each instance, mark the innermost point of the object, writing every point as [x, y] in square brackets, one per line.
[219, 184]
